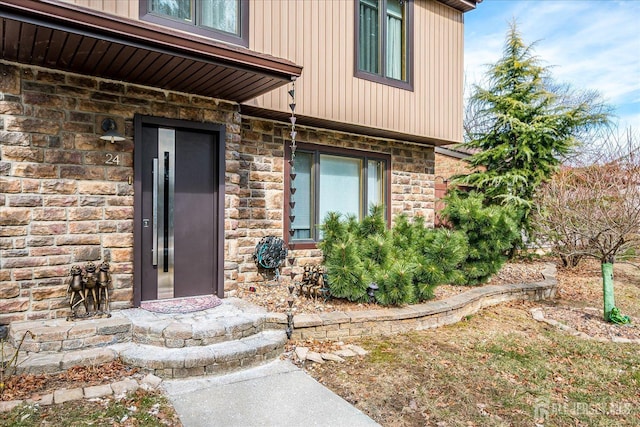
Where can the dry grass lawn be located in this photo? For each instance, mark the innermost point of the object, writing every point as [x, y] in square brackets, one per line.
[501, 368]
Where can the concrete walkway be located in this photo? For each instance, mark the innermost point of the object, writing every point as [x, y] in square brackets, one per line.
[276, 394]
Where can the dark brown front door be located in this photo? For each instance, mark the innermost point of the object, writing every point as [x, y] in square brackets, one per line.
[179, 213]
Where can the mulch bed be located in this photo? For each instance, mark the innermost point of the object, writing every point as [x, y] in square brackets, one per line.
[30, 386]
[590, 321]
[274, 296]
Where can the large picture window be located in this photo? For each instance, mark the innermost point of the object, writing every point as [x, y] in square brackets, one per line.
[383, 34]
[326, 180]
[225, 20]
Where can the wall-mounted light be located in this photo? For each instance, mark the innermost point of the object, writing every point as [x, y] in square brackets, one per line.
[111, 134]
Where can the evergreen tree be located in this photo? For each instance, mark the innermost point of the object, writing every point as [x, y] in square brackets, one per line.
[523, 125]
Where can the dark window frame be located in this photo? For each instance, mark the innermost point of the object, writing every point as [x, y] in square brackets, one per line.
[242, 39]
[406, 84]
[318, 150]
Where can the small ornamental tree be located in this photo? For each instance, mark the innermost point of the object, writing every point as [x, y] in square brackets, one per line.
[521, 126]
[594, 211]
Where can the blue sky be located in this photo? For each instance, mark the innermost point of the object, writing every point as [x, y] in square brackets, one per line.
[591, 44]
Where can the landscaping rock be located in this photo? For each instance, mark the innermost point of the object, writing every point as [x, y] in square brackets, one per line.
[8, 405]
[315, 357]
[331, 357]
[121, 388]
[150, 382]
[345, 352]
[46, 399]
[302, 352]
[97, 391]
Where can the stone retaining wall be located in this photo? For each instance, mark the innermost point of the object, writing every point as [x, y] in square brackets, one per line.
[345, 325]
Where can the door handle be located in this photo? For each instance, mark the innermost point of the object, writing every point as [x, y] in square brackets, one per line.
[154, 203]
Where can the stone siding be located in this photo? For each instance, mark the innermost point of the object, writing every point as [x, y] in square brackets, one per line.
[259, 195]
[447, 166]
[61, 204]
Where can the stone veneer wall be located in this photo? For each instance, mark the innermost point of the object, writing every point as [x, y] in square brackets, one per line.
[61, 205]
[447, 166]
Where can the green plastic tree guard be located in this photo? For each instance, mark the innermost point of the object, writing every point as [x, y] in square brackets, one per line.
[607, 287]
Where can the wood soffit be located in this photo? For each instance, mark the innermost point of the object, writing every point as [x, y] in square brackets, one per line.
[62, 36]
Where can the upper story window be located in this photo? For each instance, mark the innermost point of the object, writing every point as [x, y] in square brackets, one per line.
[226, 20]
[332, 179]
[384, 31]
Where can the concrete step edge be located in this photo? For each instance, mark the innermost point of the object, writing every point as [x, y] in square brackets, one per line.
[204, 360]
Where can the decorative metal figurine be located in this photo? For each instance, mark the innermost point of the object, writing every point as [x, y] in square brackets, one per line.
[90, 280]
[104, 280]
[76, 289]
[314, 283]
[90, 288]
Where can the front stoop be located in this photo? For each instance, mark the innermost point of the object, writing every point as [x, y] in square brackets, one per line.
[230, 337]
[220, 358]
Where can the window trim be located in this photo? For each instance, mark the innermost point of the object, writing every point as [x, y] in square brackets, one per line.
[242, 39]
[317, 151]
[406, 84]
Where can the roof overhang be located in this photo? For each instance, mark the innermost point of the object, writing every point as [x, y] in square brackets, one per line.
[452, 152]
[462, 5]
[251, 110]
[62, 36]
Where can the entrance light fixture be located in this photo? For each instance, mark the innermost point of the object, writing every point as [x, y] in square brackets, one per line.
[111, 133]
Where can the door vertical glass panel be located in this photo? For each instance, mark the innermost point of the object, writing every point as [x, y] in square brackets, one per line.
[165, 181]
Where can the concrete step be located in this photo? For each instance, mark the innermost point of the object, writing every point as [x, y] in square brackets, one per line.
[225, 323]
[226, 338]
[217, 358]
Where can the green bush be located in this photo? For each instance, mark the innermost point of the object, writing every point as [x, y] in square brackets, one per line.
[491, 232]
[406, 263]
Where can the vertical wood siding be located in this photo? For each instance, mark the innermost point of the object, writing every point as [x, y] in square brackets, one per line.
[124, 8]
[320, 35]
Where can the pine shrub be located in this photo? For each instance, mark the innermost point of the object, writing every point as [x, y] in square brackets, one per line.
[491, 231]
[406, 263]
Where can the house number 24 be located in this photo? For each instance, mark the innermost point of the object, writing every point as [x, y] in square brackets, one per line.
[112, 159]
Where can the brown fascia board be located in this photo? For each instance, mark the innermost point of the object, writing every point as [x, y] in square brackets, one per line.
[462, 5]
[72, 16]
[453, 152]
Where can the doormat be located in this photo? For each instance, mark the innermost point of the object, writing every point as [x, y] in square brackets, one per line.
[182, 305]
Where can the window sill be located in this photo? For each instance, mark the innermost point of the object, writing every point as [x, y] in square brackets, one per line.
[400, 84]
[295, 245]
